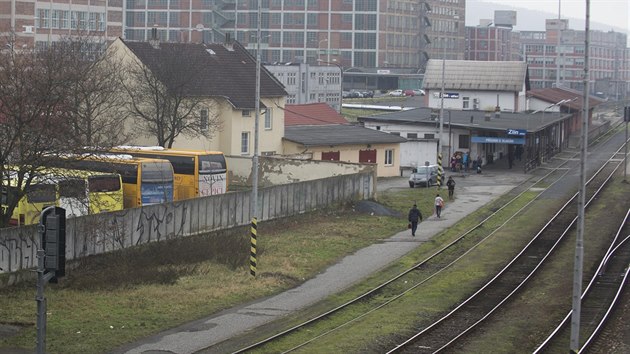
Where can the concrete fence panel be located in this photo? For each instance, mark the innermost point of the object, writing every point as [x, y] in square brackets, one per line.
[106, 232]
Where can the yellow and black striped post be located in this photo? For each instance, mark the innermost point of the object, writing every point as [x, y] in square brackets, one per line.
[440, 171]
[252, 252]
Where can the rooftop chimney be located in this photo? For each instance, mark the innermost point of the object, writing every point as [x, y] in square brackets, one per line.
[228, 44]
[154, 41]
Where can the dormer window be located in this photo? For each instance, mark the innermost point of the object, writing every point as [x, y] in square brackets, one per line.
[246, 113]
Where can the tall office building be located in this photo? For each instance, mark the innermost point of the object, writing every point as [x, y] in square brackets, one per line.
[364, 34]
[29, 23]
[609, 59]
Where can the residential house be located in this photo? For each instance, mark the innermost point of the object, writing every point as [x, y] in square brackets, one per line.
[476, 85]
[318, 132]
[224, 76]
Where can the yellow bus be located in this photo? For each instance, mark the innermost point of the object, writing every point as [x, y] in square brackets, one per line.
[89, 192]
[79, 192]
[28, 209]
[198, 173]
[145, 181]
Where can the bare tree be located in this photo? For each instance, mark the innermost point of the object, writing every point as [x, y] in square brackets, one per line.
[94, 100]
[162, 100]
[40, 116]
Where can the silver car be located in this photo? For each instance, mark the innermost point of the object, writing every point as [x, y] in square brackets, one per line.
[424, 175]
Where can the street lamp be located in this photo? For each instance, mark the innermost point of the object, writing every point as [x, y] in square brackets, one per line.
[334, 62]
[440, 138]
[441, 169]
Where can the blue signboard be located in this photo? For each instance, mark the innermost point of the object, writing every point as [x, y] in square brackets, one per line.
[497, 140]
[450, 95]
[517, 132]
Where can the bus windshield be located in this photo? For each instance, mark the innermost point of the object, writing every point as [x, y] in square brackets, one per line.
[212, 164]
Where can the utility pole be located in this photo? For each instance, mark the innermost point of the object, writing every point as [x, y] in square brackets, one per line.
[579, 240]
[558, 48]
[254, 201]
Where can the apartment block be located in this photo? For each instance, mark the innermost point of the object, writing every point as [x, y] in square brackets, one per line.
[364, 34]
[39, 23]
[609, 59]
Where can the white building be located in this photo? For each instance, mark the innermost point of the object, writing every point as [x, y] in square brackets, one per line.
[306, 83]
[477, 85]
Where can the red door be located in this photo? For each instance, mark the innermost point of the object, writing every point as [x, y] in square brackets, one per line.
[330, 156]
[367, 156]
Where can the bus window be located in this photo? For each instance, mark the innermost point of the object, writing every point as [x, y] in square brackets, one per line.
[181, 164]
[41, 193]
[103, 184]
[73, 197]
[72, 188]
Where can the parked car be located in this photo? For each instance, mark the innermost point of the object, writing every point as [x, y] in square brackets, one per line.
[396, 93]
[355, 94]
[424, 175]
[345, 94]
[367, 94]
[409, 93]
[418, 92]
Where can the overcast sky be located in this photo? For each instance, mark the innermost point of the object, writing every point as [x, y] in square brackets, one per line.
[613, 12]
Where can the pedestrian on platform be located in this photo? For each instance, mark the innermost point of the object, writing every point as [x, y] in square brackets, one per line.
[414, 217]
[451, 187]
[439, 204]
[465, 161]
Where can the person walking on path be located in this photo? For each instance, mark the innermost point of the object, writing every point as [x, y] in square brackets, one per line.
[414, 217]
[439, 204]
[451, 187]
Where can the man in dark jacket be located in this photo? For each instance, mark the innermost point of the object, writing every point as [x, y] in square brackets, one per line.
[451, 187]
[414, 217]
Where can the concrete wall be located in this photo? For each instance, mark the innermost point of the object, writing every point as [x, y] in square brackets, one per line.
[100, 233]
[281, 170]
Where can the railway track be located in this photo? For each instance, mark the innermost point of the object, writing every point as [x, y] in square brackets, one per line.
[422, 271]
[444, 332]
[600, 296]
[432, 265]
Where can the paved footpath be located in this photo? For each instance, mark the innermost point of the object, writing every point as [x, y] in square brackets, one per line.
[472, 192]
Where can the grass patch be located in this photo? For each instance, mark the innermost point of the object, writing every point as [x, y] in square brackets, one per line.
[108, 300]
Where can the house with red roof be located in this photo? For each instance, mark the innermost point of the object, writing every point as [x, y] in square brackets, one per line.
[321, 133]
[563, 100]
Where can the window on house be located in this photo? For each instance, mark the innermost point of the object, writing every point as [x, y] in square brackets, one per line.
[268, 118]
[395, 133]
[389, 157]
[246, 113]
[465, 102]
[203, 119]
[429, 136]
[412, 135]
[244, 143]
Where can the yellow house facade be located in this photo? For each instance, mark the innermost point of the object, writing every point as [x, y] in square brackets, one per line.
[346, 143]
[223, 87]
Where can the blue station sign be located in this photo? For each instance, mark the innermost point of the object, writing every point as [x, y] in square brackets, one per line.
[497, 140]
[517, 132]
